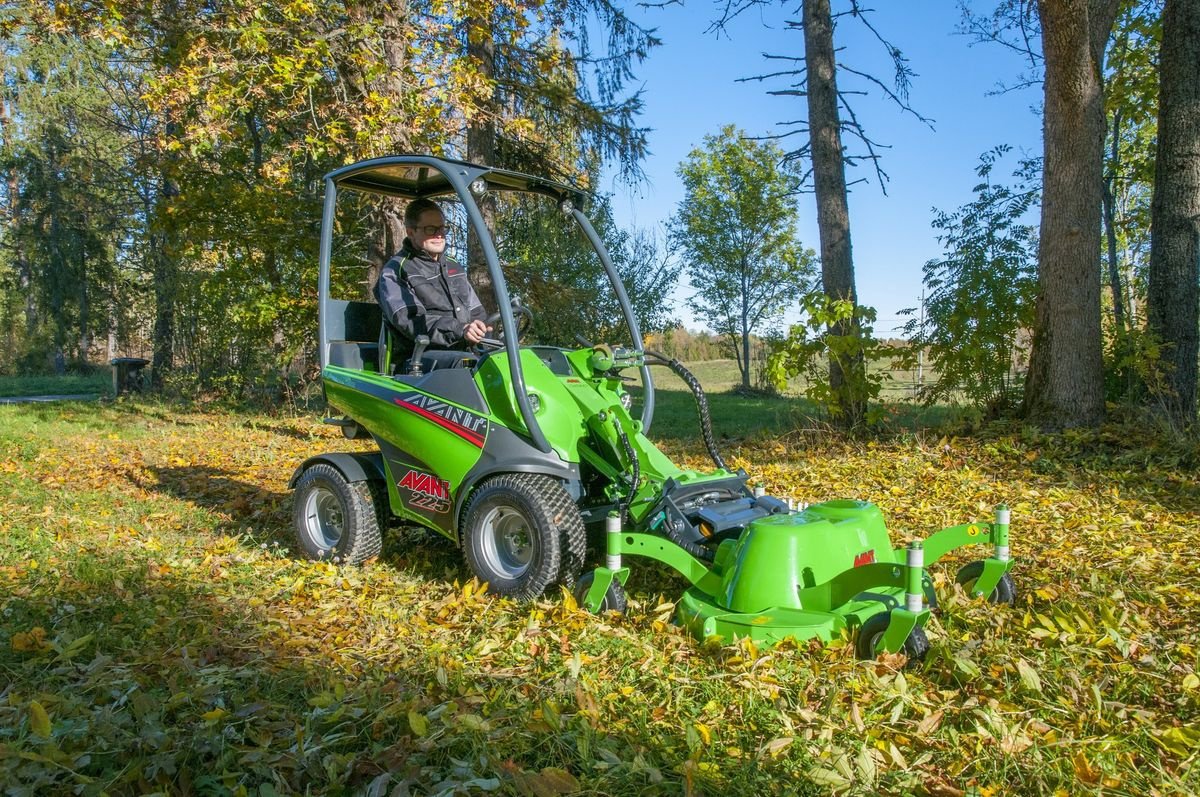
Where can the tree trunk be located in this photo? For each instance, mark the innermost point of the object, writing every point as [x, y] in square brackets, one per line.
[1065, 384]
[1173, 296]
[833, 211]
[24, 269]
[745, 363]
[481, 149]
[1110, 226]
[164, 270]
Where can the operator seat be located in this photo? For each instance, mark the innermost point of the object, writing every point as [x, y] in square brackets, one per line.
[395, 349]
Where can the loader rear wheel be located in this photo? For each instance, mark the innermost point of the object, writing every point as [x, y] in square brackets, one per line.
[521, 533]
[335, 519]
[1005, 591]
[614, 599]
[916, 647]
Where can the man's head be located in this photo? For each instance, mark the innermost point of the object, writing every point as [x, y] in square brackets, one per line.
[426, 226]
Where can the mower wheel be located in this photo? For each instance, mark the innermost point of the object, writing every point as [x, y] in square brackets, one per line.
[521, 533]
[1005, 591]
[614, 599]
[915, 647]
[335, 519]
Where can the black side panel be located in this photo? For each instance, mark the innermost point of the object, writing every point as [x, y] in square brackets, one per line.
[354, 321]
[507, 452]
[354, 354]
[452, 384]
[419, 488]
[355, 467]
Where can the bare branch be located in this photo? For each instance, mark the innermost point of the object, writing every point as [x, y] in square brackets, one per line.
[901, 100]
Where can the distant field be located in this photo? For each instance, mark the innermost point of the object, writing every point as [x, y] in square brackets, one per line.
[721, 375]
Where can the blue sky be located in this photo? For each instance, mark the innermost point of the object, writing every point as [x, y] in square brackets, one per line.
[691, 89]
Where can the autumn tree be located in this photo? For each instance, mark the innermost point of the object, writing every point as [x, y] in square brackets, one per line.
[814, 76]
[736, 229]
[1173, 306]
[1065, 383]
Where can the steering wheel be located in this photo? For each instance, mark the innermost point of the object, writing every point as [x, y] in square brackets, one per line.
[523, 318]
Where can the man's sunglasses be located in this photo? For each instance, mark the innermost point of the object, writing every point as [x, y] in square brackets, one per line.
[430, 230]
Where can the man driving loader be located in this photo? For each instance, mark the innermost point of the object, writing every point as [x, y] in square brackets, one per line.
[423, 291]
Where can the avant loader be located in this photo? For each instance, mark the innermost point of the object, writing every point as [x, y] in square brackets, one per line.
[530, 457]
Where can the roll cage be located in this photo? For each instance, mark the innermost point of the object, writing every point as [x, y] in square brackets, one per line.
[411, 177]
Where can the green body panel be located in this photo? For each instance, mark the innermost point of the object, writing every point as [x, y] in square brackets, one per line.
[370, 399]
[556, 411]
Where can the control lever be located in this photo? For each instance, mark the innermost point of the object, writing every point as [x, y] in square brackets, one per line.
[414, 366]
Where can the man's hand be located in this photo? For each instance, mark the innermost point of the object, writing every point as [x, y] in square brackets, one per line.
[476, 331]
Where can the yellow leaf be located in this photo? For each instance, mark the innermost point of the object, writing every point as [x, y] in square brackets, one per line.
[555, 781]
[214, 715]
[1191, 681]
[39, 720]
[777, 746]
[705, 734]
[31, 641]
[1083, 769]
[418, 723]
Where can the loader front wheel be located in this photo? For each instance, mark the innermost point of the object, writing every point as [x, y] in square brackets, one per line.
[916, 647]
[520, 532]
[614, 599]
[1005, 591]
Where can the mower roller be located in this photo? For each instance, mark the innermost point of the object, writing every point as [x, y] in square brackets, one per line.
[529, 457]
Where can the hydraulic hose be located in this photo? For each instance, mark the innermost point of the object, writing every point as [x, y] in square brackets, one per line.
[695, 549]
[635, 467]
[701, 402]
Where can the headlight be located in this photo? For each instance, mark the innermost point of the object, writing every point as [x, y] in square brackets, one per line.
[535, 403]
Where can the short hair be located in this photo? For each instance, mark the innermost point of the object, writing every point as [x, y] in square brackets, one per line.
[415, 208]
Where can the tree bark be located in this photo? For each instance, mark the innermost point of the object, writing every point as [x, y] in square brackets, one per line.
[164, 270]
[24, 269]
[1065, 384]
[833, 210]
[1173, 295]
[1110, 226]
[481, 149]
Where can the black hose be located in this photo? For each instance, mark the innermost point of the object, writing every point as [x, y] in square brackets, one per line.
[695, 549]
[635, 467]
[701, 402]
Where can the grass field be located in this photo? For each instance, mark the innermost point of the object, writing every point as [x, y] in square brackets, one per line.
[99, 384]
[156, 635]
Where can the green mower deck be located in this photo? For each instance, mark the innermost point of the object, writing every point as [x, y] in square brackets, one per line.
[811, 574]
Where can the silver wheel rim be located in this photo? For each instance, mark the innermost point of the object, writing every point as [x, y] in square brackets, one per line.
[506, 542]
[324, 520]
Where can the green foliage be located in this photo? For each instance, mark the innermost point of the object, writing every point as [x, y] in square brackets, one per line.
[979, 299]
[736, 229]
[1131, 106]
[809, 348]
[551, 265]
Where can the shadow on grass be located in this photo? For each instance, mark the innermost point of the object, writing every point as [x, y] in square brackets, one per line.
[190, 682]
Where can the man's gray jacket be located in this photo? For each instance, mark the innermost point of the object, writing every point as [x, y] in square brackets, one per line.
[422, 296]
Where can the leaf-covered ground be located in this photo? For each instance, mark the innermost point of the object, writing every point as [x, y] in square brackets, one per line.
[156, 635]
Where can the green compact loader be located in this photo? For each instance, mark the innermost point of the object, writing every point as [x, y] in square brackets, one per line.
[523, 453]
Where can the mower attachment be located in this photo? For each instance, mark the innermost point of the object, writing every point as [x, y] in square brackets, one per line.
[812, 574]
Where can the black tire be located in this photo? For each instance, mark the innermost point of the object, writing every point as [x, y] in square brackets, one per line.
[334, 519]
[916, 647]
[614, 597]
[1005, 591]
[522, 533]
